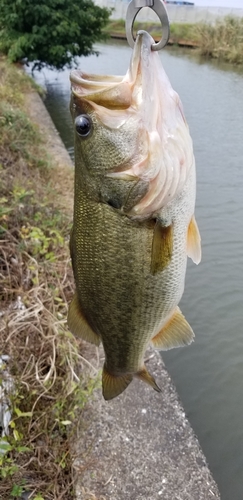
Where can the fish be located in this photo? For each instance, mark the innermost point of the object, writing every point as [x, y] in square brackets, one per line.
[133, 223]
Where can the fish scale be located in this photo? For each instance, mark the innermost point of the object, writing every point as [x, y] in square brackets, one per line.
[113, 295]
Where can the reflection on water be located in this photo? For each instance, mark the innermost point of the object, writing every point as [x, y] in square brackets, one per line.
[208, 375]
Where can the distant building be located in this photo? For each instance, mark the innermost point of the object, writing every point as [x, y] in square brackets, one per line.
[178, 3]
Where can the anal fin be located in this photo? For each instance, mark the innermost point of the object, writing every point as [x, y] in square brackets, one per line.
[194, 241]
[78, 324]
[113, 385]
[148, 378]
[162, 247]
[175, 333]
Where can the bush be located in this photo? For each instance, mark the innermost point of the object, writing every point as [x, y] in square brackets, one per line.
[223, 41]
[51, 32]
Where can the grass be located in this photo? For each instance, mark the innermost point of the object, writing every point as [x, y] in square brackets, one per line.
[179, 32]
[186, 32]
[45, 376]
[222, 41]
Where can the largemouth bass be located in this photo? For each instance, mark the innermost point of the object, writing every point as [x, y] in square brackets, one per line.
[134, 224]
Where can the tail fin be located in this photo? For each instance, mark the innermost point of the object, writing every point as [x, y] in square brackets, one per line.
[147, 377]
[112, 386]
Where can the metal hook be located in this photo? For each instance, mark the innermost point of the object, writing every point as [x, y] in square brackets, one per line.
[159, 8]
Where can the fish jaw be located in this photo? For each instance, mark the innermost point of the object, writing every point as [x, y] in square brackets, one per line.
[110, 92]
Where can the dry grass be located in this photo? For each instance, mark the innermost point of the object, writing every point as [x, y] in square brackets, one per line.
[46, 375]
[179, 32]
[88, 495]
[223, 41]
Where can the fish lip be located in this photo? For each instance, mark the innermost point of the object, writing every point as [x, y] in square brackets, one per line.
[84, 84]
[80, 77]
[141, 52]
[108, 92]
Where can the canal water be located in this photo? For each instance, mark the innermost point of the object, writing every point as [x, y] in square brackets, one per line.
[209, 374]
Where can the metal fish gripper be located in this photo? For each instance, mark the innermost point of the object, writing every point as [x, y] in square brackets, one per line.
[159, 8]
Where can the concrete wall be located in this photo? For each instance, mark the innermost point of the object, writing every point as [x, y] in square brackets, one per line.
[177, 13]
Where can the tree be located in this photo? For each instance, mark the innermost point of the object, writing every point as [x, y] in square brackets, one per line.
[50, 32]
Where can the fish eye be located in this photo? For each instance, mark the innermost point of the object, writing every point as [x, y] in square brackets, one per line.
[83, 125]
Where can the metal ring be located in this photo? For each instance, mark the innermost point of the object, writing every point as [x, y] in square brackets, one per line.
[159, 8]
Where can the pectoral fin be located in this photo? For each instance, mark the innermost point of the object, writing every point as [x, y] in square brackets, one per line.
[113, 385]
[78, 324]
[176, 333]
[194, 242]
[162, 247]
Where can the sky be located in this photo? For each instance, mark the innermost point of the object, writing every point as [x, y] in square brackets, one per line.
[219, 3]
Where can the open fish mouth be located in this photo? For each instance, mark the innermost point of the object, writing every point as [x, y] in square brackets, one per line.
[95, 87]
[144, 91]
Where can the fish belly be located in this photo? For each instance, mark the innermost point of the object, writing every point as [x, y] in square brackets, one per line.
[122, 301]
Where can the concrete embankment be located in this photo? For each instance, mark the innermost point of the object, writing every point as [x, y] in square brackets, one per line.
[139, 446]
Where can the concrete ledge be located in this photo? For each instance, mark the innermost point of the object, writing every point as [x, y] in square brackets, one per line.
[140, 446]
